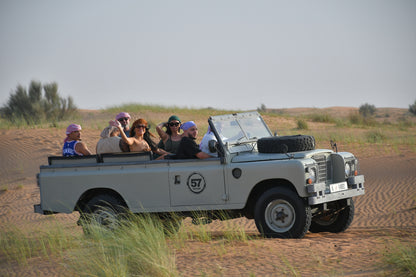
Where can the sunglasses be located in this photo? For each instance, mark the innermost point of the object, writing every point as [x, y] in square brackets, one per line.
[124, 118]
[174, 124]
[141, 126]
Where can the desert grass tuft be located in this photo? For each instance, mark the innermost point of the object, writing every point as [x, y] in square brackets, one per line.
[137, 247]
[19, 247]
[402, 257]
[375, 136]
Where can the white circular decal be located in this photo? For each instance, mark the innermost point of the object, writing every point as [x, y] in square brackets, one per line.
[196, 183]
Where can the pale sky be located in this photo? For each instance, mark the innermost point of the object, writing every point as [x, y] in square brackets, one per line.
[225, 54]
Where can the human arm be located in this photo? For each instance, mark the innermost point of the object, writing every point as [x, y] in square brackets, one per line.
[129, 141]
[203, 155]
[82, 148]
[162, 134]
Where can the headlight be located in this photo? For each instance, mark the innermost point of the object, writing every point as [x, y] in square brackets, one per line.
[347, 169]
[312, 175]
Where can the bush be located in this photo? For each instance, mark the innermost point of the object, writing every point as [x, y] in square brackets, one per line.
[322, 117]
[32, 108]
[302, 124]
[367, 110]
[358, 119]
[262, 108]
[412, 108]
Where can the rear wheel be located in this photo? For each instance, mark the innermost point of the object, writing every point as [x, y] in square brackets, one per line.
[281, 213]
[103, 210]
[337, 219]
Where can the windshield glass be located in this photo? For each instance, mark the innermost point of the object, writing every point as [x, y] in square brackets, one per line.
[239, 128]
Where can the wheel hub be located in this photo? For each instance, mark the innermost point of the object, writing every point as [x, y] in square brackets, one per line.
[280, 216]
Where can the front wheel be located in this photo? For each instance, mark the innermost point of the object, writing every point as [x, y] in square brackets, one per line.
[281, 213]
[336, 219]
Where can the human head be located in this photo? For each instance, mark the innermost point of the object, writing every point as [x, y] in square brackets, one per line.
[174, 124]
[137, 125]
[110, 131]
[73, 132]
[123, 118]
[190, 129]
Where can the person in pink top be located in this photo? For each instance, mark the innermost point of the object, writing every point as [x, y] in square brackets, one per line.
[73, 146]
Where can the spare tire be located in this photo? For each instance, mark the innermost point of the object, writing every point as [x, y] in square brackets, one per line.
[285, 144]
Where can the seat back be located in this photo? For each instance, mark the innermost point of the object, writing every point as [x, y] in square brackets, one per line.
[55, 160]
[126, 157]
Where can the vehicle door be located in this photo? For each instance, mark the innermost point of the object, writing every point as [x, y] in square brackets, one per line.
[196, 182]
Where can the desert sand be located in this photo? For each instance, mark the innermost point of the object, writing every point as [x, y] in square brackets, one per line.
[386, 213]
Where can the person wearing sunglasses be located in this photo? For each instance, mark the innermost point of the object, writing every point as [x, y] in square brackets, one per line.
[124, 119]
[188, 148]
[171, 138]
[140, 139]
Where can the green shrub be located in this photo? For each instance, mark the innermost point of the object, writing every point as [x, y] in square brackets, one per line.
[403, 257]
[412, 108]
[322, 117]
[359, 119]
[302, 124]
[31, 108]
[367, 110]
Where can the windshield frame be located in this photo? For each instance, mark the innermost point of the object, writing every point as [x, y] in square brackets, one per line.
[240, 131]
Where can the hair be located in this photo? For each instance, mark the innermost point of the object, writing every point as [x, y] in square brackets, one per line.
[147, 135]
[172, 118]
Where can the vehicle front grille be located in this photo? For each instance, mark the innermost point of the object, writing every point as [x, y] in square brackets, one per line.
[323, 168]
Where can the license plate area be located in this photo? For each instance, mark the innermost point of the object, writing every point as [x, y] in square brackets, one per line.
[338, 187]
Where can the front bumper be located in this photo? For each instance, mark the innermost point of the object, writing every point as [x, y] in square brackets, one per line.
[355, 186]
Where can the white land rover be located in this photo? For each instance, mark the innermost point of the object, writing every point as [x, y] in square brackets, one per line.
[282, 182]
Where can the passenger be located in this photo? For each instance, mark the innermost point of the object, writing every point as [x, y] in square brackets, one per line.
[109, 141]
[204, 145]
[124, 119]
[188, 149]
[73, 146]
[140, 140]
[171, 138]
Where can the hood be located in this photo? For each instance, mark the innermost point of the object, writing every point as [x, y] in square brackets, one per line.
[243, 157]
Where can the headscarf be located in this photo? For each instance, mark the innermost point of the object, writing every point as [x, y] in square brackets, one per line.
[72, 128]
[174, 117]
[187, 125]
[122, 114]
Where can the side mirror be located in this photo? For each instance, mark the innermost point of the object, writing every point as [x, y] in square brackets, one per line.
[212, 145]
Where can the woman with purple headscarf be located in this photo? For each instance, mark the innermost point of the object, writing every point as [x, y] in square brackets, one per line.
[73, 146]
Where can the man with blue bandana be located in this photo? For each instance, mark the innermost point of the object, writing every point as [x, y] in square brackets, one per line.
[188, 149]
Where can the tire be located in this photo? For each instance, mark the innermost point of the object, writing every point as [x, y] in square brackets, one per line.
[281, 213]
[286, 144]
[336, 220]
[103, 210]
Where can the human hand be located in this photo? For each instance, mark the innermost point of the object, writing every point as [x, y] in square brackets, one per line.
[115, 123]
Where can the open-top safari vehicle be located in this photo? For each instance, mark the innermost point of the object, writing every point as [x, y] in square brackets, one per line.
[282, 182]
